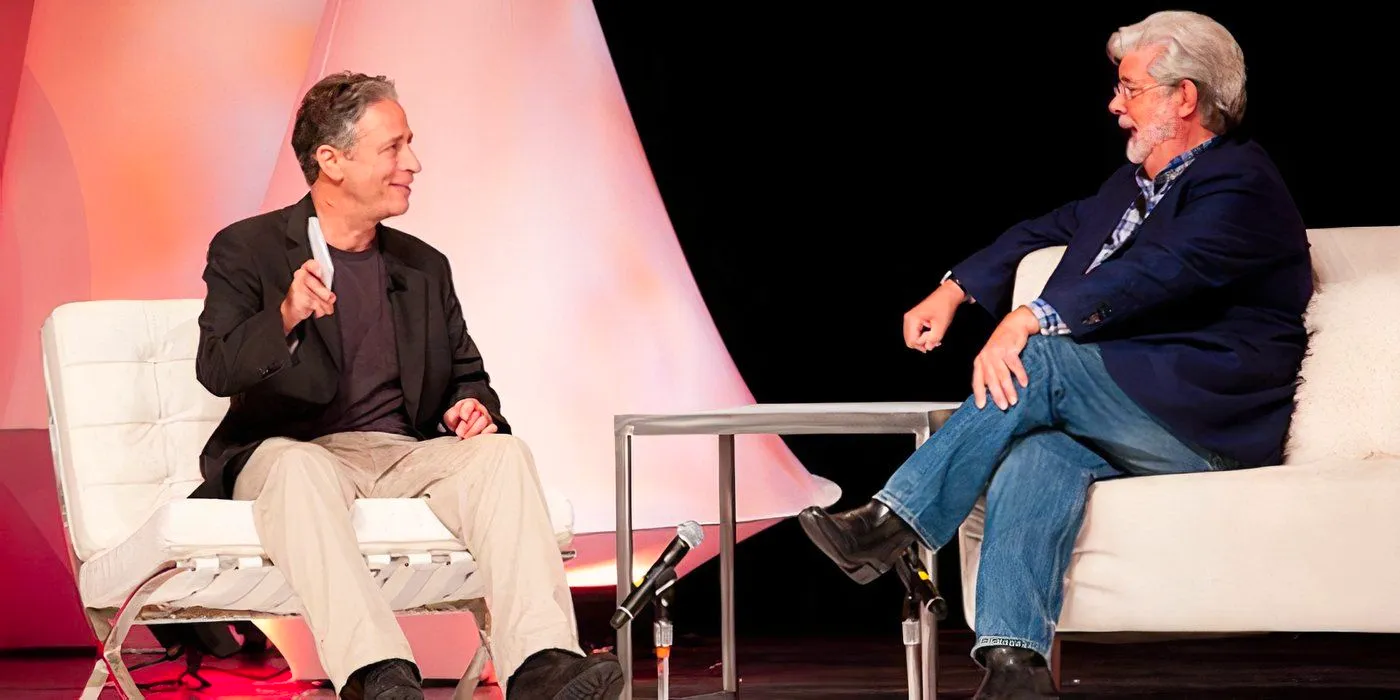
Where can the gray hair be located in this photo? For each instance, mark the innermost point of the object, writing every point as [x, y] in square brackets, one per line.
[1197, 48]
[329, 112]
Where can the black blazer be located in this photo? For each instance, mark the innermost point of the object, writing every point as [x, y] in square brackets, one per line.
[274, 392]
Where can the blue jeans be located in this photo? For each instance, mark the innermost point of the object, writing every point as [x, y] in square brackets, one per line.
[1070, 427]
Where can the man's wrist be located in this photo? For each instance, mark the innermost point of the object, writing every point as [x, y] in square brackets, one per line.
[1048, 318]
[962, 294]
[954, 290]
[1027, 321]
[287, 325]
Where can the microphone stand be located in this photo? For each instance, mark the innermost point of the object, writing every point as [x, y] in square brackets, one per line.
[663, 636]
[919, 594]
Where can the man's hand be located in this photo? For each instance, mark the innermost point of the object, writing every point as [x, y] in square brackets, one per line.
[468, 419]
[1001, 358]
[306, 296]
[925, 324]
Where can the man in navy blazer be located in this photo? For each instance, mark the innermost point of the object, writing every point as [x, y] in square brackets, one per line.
[1168, 340]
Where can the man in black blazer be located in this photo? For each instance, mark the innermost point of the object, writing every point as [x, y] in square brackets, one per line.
[354, 376]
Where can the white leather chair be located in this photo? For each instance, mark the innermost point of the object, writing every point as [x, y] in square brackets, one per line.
[1312, 545]
[127, 421]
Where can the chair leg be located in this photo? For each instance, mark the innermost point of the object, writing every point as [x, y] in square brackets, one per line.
[1055, 663]
[101, 627]
[466, 687]
[111, 644]
[95, 682]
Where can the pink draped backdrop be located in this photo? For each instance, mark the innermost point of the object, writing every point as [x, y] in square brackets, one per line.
[131, 132]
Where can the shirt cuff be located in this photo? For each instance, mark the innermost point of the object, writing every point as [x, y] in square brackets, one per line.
[1050, 323]
[967, 298]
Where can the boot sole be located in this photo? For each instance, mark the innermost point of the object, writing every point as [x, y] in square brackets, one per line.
[863, 575]
[400, 694]
[601, 682]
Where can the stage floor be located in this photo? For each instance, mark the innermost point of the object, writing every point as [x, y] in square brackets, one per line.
[1271, 666]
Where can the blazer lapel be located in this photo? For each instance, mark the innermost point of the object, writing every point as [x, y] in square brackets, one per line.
[408, 298]
[1165, 209]
[298, 252]
[1086, 246]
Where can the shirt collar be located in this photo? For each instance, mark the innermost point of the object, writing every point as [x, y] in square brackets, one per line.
[1174, 168]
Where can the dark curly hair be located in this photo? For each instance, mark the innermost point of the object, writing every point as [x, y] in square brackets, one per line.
[328, 114]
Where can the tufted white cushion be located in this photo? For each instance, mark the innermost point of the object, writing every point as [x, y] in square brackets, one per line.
[184, 528]
[128, 417]
[1301, 548]
[128, 420]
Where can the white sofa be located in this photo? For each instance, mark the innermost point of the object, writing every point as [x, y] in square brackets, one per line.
[1312, 545]
[127, 421]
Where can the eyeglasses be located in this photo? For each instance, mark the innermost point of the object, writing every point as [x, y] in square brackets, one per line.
[1129, 94]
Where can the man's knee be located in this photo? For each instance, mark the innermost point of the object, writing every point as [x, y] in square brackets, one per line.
[1025, 457]
[304, 465]
[1044, 350]
[507, 447]
[501, 454]
[1050, 351]
[505, 442]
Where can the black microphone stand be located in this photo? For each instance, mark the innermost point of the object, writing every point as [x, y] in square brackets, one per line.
[663, 636]
[920, 594]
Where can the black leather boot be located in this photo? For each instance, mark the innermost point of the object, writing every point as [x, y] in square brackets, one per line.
[1014, 673]
[391, 679]
[864, 541]
[553, 674]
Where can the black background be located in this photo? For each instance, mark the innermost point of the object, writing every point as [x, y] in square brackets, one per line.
[824, 163]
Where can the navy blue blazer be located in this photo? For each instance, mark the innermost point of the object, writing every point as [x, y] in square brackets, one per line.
[1199, 316]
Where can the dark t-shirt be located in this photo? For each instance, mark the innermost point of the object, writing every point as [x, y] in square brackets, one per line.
[370, 397]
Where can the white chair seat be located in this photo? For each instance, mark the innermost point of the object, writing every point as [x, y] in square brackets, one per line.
[1281, 548]
[191, 528]
[127, 421]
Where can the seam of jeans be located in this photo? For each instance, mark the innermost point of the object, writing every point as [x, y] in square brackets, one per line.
[1062, 560]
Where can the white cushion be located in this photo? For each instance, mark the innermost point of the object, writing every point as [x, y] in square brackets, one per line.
[1346, 407]
[185, 528]
[189, 528]
[128, 420]
[1341, 254]
[1306, 547]
[1033, 272]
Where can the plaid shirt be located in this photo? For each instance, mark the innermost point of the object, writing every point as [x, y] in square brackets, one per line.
[1152, 192]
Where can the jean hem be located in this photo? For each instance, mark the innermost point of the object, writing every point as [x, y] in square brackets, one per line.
[907, 515]
[984, 640]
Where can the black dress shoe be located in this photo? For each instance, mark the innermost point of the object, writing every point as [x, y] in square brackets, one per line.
[391, 679]
[1014, 673]
[553, 674]
[864, 542]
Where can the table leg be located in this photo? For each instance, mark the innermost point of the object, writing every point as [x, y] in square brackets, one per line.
[726, 562]
[927, 623]
[623, 454]
[929, 629]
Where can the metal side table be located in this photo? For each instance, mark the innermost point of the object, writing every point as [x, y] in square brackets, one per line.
[921, 419]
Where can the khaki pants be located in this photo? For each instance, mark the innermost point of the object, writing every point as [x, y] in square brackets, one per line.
[484, 489]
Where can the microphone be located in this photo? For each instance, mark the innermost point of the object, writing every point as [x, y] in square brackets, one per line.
[688, 536]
